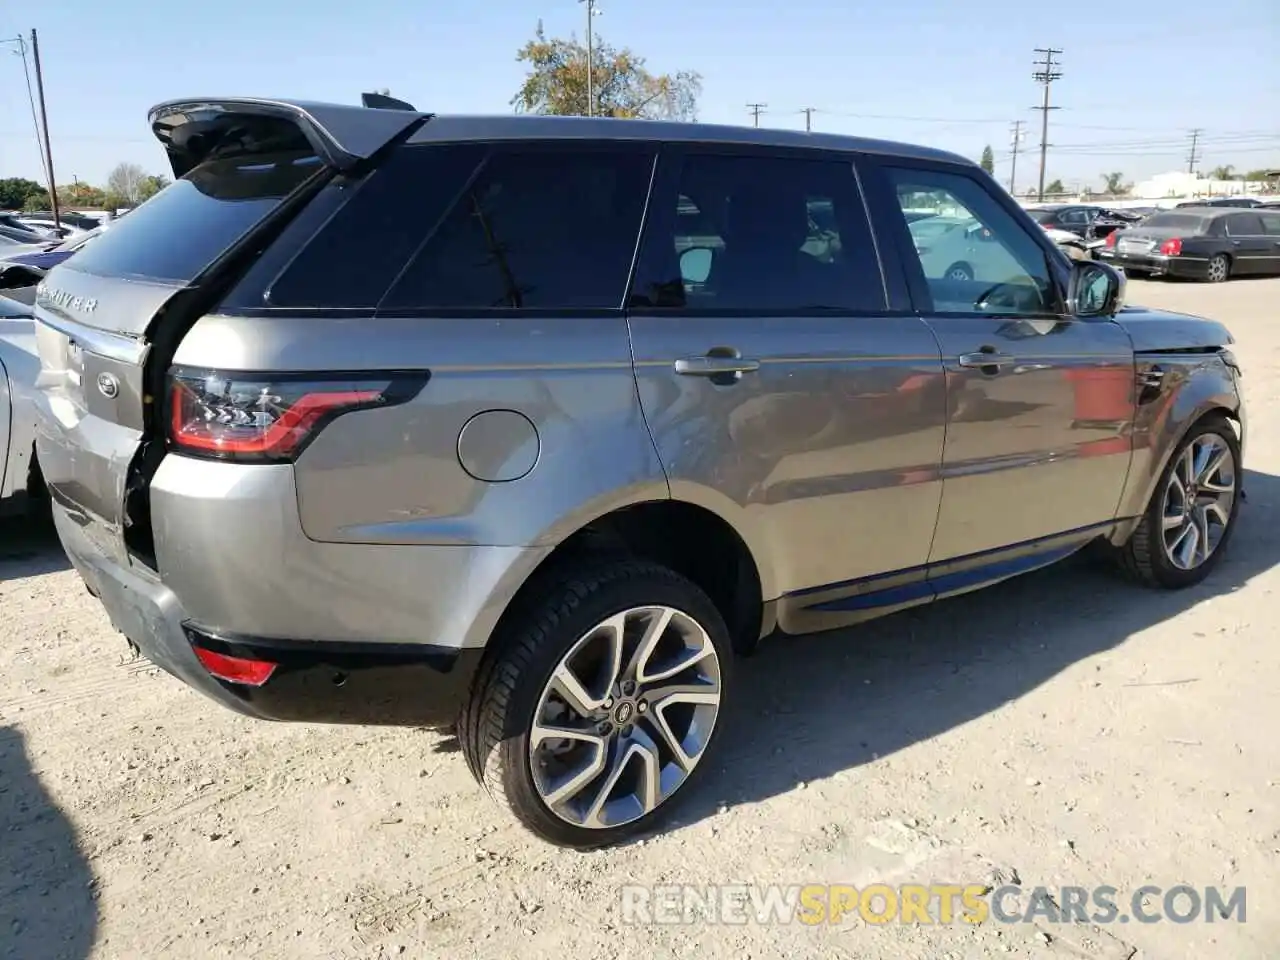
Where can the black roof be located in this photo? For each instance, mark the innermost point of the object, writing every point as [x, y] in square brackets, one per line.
[1208, 210]
[531, 127]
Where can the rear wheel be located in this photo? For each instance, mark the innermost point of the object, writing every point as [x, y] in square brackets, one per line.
[600, 704]
[1192, 513]
[959, 271]
[1219, 268]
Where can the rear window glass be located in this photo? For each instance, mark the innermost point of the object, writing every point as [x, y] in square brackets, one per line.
[185, 227]
[1042, 216]
[1177, 221]
[357, 254]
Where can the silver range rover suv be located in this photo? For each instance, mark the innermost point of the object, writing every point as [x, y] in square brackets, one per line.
[532, 427]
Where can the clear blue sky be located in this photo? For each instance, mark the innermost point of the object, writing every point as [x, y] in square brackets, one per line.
[1137, 76]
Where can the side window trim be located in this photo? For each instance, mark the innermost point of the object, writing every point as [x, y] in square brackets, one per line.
[659, 223]
[896, 225]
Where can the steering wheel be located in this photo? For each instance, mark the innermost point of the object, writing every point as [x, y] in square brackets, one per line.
[1012, 301]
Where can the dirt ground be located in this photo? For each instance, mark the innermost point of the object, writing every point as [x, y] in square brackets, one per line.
[1063, 727]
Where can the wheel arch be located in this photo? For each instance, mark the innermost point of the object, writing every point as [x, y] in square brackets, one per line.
[687, 535]
[1207, 392]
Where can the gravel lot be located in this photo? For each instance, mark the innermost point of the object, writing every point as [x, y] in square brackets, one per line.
[1064, 726]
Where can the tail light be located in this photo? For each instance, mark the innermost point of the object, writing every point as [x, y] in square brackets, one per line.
[249, 673]
[248, 417]
[1172, 248]
[1111, 239]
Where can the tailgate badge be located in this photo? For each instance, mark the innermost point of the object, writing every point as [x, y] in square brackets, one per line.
[108, 386]
[67, 301]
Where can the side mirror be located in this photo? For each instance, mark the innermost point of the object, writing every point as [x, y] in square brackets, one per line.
[1095, 289]
[695, 264]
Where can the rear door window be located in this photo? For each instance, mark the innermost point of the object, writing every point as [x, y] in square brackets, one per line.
[1244, 225]
[761, 233]
[538, 227]
[185, 227]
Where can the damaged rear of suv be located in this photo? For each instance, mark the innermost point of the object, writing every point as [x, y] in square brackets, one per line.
[281, 442]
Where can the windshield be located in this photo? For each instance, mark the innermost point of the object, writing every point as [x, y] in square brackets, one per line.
[185, 227]
[1176, 221]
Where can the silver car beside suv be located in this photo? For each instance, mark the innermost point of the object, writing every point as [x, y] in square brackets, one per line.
[533, 426]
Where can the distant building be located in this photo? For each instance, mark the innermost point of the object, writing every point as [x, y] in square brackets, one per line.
[1179, 183]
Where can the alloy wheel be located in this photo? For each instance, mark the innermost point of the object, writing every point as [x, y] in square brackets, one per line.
[625, 717]
[1218, 269]
[1198, 501]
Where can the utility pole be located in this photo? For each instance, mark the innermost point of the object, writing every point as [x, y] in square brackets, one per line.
[44, 122]
[808, 119]
[756, 109]
[1016, 137]
[1191, 157]
[591, 56]
[1046, 74]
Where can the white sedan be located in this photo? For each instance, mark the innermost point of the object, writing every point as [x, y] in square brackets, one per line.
[960, 248]
[19, 364]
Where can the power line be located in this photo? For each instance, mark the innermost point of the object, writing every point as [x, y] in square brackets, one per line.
[1045, 75]
[21, 44]
[1191, 156]
[756, 109]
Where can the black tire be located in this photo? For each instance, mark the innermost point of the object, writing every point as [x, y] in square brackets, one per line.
[1144, 558]
[1218, 269]
[494, 729]
[959, 271]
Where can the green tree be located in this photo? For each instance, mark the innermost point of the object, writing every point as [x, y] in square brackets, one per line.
[15, 190]
[37, 199]
[1055, 187]
[1115, 183]
[988, 161]
[81, 194]
[621, 86]
[150, 186]
[1224, 172]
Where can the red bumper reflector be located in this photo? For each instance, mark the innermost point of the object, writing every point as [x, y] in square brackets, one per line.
[251, 673]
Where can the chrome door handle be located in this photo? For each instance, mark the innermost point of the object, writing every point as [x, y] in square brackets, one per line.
[986, 358]
[715, 366]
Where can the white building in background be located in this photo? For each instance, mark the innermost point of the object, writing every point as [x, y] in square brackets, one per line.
[1179, 183]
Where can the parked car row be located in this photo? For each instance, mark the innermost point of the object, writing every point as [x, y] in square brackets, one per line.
[1212, 243]
[26, 265]
[1084, 220]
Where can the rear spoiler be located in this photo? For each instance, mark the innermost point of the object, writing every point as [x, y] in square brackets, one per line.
[341, 135]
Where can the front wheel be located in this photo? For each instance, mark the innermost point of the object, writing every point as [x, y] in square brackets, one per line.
[1192, 513]
[598, 706]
